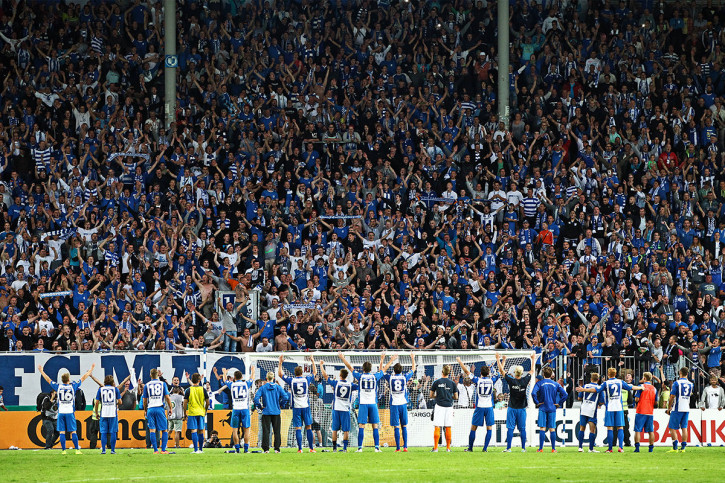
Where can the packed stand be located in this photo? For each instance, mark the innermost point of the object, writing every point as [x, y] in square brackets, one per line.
[346, 159]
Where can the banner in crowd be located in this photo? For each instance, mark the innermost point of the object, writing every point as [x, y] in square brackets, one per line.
[22, 381]
[225, 296]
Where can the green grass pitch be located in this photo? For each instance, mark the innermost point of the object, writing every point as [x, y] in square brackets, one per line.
[419, 465]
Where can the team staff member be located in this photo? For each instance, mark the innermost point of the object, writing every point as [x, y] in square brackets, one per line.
[644, 419]
[713, 397]
[271, 397]
[176, 420]
[196, 402]
[547, 395]
[516, 413]
[445, 391]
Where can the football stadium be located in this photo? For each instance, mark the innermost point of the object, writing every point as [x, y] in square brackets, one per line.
[364, 240]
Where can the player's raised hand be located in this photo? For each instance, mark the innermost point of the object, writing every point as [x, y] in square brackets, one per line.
[579, 389]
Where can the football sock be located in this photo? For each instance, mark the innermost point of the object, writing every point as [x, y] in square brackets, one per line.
[674, 444]
[449, 437]
[74, 437]
[610, 438]
[310, 439]
[683, 444]
[344, 444]
[246, 447]
[237, 447]
[334, 445]
[113, 441]
[636, 447]
[523, 438]
[62, 441]
[298, 435]
[103, 441]
[489, 433]
[164, 440]
[360, 437]
[509, 437]
[396, 430]
[405, 436]
[376, 437]
[620, 437]
[592, 440]
[651, 448]
[552, 436]
[436, 437]
[580, 437]
[155, 445]
[471, 440]
[193, 440]
[542, 439]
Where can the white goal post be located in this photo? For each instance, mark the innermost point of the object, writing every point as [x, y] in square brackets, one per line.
[429, 366]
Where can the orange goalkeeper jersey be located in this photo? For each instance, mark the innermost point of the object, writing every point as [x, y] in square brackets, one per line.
[647, 399]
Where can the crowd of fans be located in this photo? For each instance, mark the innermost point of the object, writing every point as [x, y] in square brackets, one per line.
[345, 159]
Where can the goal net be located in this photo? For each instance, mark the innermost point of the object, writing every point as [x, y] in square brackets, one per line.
[429, 365]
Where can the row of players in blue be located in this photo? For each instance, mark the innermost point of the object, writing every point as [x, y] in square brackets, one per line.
[367, 386]
[155, 401]
[343, 389]
[609, 394]
[547, 395]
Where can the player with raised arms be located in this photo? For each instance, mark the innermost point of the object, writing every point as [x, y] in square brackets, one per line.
[301, 412]
[107, 401]
[588, 413]
[399, 400]
[483, 414]
[644, 418]
[341, 405]
[239, 390]
[614, 412]
[368, 409]
[155, 399]
[66, 392]
[196, 402]
[547, 395]
[679, 409]
[516, 412]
